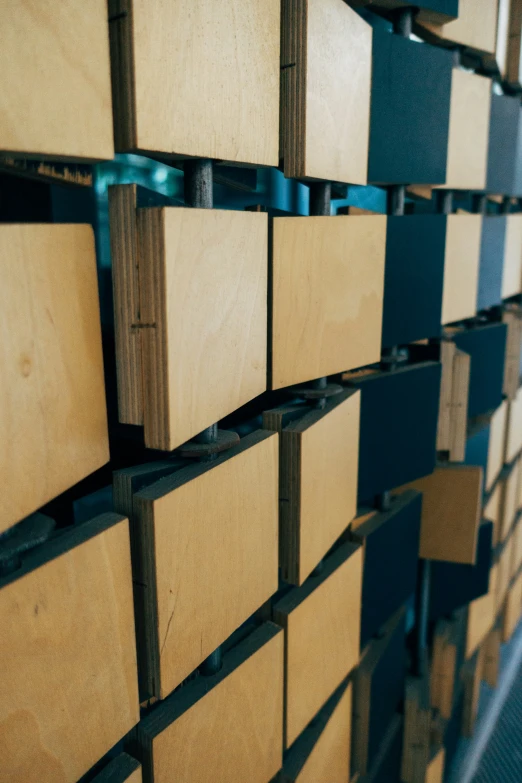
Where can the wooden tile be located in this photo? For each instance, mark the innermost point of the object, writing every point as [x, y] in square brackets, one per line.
[322, 751]
[475, 27]
[202, 569]
[512, 317]
[200, 363]
[491, 261]
[492, 656]
[190, 79]
[496, 445]
[508, 501]
[435, 771]
[503, 574]
[450, 513]
[56, 100]
[512, 609]
[53, 416]
[487, 347]
[453, 405]
[398, 428]
[325, 95]
[328, 278]
[513, 62]
[417, 724]
[512, 272]
[410, 108]
[318, 479]
[461, 267]
[492, 511]
[224, 727]
[481, 616]
[471, 675]
[443, 667]
[68, 654]
[122, 769]
[322, 623]
[504, 128]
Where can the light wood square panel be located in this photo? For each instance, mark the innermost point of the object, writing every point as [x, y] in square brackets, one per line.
[322, 621]
[450, 519]
[475, 27]
[509, 498]
[318, 479]
[325, 102]
[53, 416]
[68, 653]
[193, 78]
[327, 297]
[322, 751]
[512, 272]
[468, 131]
[225, 727]
[512, 609]
[496, 444]
[461, 267]
[203, 297]
[206, 542]
[56, 96]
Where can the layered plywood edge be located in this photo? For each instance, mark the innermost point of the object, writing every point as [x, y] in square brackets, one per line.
[319, 453]
[61, 111]
[188, 600]
[513, 61]
[453, 406]
[322, 623]
[496, 445]
[475, 28]
[53, 414]
[227, 726]
[68, 654]
[165, 259]
[492, 645]
[512, 317]
[327, 295]
[443, 667]
[325, 91]
[197, 79]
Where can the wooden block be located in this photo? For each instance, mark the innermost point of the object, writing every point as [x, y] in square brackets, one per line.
[122, 769]
[503, 573]
[398, 428]
[193, 80]
[391, 545]
[322, 751]
[487, 347]
[512, 317]
[497, 439]
[450, 513]
[193, 522]
[453, 585]
[435, 771]
[410, 109]
[379, 682]
[504, 127]
[63, 110]
[322, 623]
[472, 676]
[68, 654]
[513, 62]
[501, 52]
[53, 415]
[461, 267]
[219, 259]
[468, 131]
[459, 405]
[512, 273]
[328, 279]
[475, 27]
[481, 615]
[491, 261]
[492, 656]
[508, 500]
[319, 452]
[325, 93]
[443, 667]
[413, 291]
[417, 723]
[447, 355]
[512, 609]
[224, 727]
[492, 511]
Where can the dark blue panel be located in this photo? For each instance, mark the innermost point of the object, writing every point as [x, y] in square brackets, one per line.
[477, 446]
[487, 348]
[413, 278]
[502, 147]
[398, 427]
[410, 102]
[491, 261]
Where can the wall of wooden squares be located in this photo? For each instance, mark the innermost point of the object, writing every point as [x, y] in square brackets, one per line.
[260, 398]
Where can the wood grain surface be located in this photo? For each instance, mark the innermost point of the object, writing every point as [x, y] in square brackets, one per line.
[53, 415]
[461, 267]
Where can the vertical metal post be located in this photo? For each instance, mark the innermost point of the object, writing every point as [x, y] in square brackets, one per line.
[403, 22]
[396, 199]
[506, 205]
[480, 203]
[445, 202]
[198, 183]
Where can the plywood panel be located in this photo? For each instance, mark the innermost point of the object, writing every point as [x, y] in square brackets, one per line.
[225, 727]
[512, 273]
[443, 667]
[450, 513]
[328, 278]
[468, 131]
[492, 511]
[497, 438]
[203, 287]
[68, 655]
[53, 416]
[318, 479]
[322, 623]
[475, 27]
[514, 40]
[461, 267]
[492, 656]
[326, 61]
[193, 78]
[512, 609]
[508, 503]
[208, 544]
[481, 615]
[56, 100]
